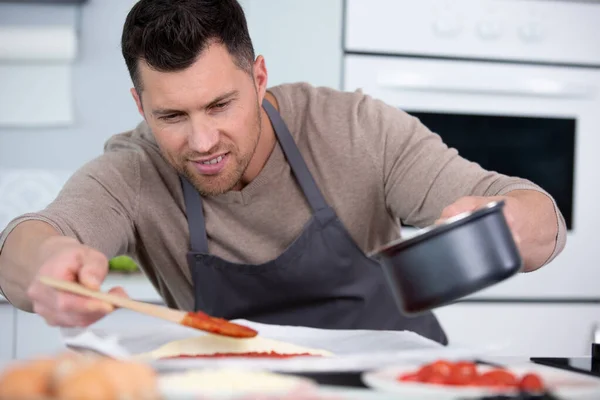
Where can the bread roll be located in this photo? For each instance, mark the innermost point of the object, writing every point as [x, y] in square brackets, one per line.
[29, 380]
[130, 380]
[108, 379]
[71, 376]
[88, 382]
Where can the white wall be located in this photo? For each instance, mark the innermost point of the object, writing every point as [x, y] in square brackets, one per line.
[301, 40]
[103, 105]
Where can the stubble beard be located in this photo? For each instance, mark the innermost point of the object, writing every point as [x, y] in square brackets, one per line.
[214, 185]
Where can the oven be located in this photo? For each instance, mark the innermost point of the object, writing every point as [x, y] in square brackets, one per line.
[513, 85]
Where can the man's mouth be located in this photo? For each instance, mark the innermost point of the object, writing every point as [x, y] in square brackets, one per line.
[213, 160]
[211, 166]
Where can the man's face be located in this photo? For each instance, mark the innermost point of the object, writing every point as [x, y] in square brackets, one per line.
[206, 119]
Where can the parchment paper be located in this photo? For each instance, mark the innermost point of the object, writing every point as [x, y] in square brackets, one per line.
[354, 350]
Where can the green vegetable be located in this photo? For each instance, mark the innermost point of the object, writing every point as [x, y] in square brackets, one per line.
[122, 264]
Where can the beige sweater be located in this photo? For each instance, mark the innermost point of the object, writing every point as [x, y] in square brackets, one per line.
[375, 165]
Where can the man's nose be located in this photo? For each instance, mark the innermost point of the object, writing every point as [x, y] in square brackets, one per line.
[204, 137]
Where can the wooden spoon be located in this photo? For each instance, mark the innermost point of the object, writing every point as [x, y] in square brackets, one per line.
[198, 320]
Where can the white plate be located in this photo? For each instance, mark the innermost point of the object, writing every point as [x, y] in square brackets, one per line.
[563, 384]
[238, 385]
[301, 392]
[322, 393]
[299, 388]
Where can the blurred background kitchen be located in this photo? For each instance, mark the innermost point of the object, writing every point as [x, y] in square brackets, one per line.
[512, 84]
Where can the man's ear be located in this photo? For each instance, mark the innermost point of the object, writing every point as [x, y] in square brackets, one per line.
[138, 101]
[260, 76]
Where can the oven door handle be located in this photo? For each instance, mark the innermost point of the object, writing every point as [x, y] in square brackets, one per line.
[533, 87]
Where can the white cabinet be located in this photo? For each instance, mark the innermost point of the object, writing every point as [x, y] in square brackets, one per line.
[7, 330]
[523, 329]
[35, 338]
[301, 40]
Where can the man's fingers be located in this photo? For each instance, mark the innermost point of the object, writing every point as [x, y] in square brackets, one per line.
[119, 291]
[453, 211]
[447, 213]
[517, 239]
[68, 302]
[78, 320]
[513, 229]
[462, 205]
[72, 303]
[76, 305]
[54, 318]
[78, 311]
[94, 270]
[73, 262]
[510, 219]
[43, 311]
[512, 225]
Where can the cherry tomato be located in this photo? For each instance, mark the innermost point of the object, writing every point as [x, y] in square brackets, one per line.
[531, 383]
[463, 373]
[437, 379]
[439, 369]
[497, 378]
[442, 367]
[410, 377]
[425, 372]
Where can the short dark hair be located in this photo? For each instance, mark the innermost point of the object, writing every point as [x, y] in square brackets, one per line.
[169, 35]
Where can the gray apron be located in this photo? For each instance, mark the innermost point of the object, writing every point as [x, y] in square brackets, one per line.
[321, 280]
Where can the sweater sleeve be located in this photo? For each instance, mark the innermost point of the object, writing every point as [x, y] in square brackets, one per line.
[421, 175]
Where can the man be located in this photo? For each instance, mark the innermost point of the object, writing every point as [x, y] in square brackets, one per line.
[252, 203]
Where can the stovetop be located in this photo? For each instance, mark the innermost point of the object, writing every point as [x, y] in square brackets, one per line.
[584, 365]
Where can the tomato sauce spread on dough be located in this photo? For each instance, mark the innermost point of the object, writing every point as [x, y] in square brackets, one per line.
[220, 326]
[255, 354]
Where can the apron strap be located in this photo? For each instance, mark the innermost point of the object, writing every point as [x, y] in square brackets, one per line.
[303, 176]
[193, 200]
[195, 217]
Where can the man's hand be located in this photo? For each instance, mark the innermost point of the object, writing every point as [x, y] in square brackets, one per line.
[530, 216]
[65, 258]
[472, 203]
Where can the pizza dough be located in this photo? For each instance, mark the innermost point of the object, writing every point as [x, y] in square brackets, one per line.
[211, 344]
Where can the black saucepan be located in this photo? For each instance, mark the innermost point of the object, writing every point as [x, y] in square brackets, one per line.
[453, 259]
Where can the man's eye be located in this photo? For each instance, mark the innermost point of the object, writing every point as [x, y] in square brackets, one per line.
[220, 106]
[170, 117]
